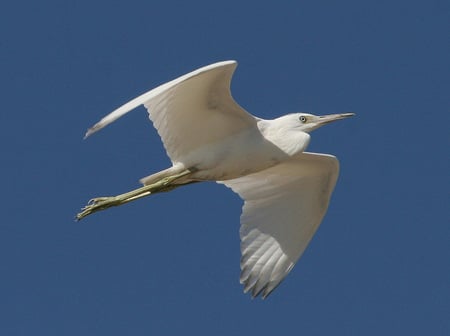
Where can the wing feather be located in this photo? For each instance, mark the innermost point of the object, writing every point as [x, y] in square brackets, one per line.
[182, 109]
[283, 207]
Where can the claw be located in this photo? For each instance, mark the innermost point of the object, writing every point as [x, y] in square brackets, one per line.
[96, 200]
[92, 201]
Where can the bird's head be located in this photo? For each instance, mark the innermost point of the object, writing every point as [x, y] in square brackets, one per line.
[291, 131]
[309, 122]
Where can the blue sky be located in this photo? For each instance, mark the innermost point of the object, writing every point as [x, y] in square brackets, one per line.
[168, 265]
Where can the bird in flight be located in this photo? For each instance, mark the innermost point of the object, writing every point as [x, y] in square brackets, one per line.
[209, 137]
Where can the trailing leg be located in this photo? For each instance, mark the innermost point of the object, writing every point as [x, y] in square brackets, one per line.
[102, 203]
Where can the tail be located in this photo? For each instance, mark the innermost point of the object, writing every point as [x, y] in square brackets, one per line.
[174, 170]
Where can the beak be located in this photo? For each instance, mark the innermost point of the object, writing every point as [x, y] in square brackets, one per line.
[333, 117]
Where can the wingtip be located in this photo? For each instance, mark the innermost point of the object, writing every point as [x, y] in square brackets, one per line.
[231, 61]
[92, 130]
[87, 134]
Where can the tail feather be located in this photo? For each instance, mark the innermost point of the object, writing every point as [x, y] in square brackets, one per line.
[174, 170]
[150, 179]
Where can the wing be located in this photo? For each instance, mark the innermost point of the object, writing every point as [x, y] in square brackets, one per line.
[284, 206]
[191, 111]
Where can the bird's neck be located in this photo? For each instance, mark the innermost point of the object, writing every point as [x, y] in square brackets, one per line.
[290, 140]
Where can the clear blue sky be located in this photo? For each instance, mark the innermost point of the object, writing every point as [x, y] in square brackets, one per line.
[169, 265]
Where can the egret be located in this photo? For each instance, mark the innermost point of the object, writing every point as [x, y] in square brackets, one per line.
[209, 137]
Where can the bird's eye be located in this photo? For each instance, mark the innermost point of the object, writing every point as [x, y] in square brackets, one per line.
[302, 119]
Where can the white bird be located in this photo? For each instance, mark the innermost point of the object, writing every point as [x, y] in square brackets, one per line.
[209, 137]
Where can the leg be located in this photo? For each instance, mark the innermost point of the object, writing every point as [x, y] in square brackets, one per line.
[101, 203]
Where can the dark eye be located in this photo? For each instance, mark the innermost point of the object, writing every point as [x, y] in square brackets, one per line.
[302, 119]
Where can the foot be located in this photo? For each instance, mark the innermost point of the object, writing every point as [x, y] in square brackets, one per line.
[97, 204]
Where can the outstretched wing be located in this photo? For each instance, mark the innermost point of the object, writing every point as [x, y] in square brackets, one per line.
[284, 206]
[191, 111]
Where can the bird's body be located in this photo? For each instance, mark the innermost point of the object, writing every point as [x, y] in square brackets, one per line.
[209, 137]
[228, 159]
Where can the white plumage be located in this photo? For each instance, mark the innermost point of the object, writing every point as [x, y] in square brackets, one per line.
[208, 136]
